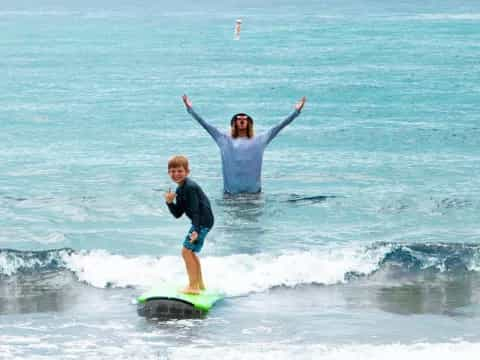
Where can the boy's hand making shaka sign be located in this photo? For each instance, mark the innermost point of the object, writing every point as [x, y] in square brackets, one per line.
[170, 196]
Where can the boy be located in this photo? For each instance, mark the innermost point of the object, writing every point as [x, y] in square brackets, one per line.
[191, 200]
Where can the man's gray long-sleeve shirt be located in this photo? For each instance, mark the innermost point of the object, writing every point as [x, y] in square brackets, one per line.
[242, 157]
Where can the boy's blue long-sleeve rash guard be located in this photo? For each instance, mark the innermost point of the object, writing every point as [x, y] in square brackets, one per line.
[242, 157]
[192, 201]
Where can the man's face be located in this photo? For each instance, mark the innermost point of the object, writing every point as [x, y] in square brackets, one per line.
[178, 174]
[241, 121]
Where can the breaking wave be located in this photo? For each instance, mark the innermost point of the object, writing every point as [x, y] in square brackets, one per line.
[242, 274]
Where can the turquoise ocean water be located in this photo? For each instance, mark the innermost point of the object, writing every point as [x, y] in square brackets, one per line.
[365, 242]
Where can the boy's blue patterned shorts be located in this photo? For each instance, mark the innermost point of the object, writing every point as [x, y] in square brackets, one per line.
[198, 244]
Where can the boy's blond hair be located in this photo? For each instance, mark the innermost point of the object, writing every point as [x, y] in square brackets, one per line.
[178, 161]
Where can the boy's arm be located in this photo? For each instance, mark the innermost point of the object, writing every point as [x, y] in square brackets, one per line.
[193, 207]
[176, 210]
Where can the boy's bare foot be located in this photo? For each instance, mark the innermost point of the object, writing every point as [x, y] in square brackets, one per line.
[190, 290]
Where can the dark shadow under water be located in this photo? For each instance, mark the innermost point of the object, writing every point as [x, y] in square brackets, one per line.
[39, 292]
[299, 199]
[451, 296]
[447, 297]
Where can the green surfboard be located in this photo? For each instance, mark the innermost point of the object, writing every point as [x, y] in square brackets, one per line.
[168, 300]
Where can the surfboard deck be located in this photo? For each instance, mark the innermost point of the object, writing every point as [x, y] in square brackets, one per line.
[168, 300]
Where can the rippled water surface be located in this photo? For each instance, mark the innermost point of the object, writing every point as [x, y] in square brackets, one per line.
[365, 240]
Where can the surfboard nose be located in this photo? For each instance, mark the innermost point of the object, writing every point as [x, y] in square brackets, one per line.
[168, 309]
[168, 301]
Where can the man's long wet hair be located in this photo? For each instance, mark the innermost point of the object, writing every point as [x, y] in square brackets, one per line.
[233, 126]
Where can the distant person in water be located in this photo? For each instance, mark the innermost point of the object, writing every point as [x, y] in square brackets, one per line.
[241, 150]
[189, 199]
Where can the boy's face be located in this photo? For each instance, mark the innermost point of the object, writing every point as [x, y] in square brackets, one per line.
[178, 174]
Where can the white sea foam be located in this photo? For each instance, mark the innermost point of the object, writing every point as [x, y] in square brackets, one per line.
[235, 274]
[146, 346]
[136, 349]
[10, 263]
[420, 351]
[444, 16]
[35, 13]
